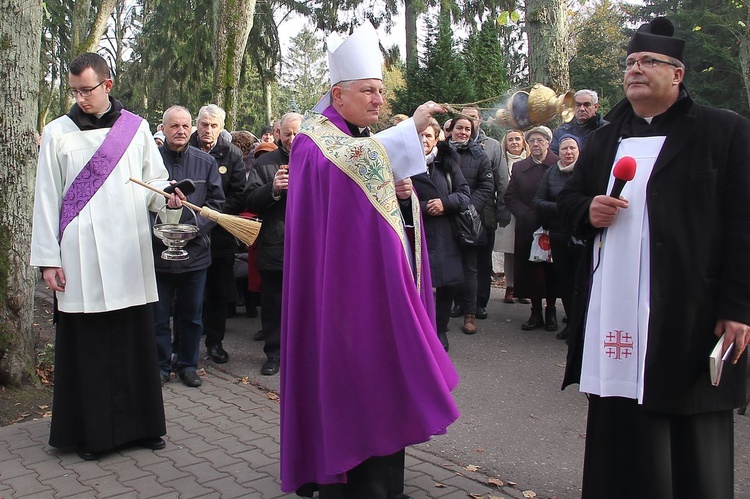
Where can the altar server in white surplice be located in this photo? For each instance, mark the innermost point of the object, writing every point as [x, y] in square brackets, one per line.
[92, 241]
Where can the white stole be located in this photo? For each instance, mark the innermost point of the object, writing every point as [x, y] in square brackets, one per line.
[614, 349]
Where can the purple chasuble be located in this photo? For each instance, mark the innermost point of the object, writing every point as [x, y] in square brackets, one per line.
[102, 163]
[362, 371]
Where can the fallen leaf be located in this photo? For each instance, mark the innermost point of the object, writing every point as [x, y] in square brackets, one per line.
[43, 407]
[495, 481]
[560, 365]
[245, 380]
[480, 450]
[495, 497]
[200, 372]
[272, 396]
[512, 484]
[475, 496]
[439, 485]
[529, 493]
[471, 467]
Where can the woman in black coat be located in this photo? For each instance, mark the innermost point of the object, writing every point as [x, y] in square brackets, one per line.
[566, 250]
[477, 170]
[532, 280]
[442, 192]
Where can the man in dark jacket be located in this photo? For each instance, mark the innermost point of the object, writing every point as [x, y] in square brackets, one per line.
[220, 285]
[266, 195]
[668, 274]
[587, 119]
[185, 278]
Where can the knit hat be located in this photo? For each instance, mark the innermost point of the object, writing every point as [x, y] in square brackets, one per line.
[573, 137]
[542, 130]
[263, 148]
[656, 37]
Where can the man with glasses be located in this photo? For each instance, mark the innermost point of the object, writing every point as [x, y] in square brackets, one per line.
[667, 275]
[587, 119]
[92, 241]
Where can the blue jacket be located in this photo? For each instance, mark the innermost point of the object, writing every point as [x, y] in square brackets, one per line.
[194, 164]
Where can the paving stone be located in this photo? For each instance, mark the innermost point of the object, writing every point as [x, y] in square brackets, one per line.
[181, 456]
[255, 458]
[188, 487]
[228, 488]
[28, 484]
[268, 488]
[166, 472]
[12, 468]
[50, 468]
[108, 486]
[147, 487]
[32, 454]
[67, 485]
[242, 472]
[204, 472]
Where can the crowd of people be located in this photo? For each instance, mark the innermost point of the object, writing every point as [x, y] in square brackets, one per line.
[359, 270]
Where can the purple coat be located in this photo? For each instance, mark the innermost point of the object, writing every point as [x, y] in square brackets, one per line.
[362, 372]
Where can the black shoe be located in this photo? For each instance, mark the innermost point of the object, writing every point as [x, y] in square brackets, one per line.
[191, 379]
[562, 335]
[85, 454]
[151, 443]
[535, 321]
[259, 336]
[443, 337]
[218, 354]
[251, 311]
[457, 311]
[271, 367]
[481, 313]
[550, 318]
[164, 377]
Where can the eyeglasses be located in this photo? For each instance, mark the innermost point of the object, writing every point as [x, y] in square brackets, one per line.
[646, 63]
[83, 92]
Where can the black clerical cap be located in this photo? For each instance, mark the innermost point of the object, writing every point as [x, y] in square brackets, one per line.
[656, 36]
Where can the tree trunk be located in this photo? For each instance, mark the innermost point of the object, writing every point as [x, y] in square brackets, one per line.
[547, 29]
[744, 53]
[21, 28]
[92, 35]
[410, 25]
[233, 22]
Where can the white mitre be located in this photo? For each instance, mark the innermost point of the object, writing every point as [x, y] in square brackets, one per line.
[356, 58]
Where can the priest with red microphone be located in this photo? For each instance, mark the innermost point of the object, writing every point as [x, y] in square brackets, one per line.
[666, 275]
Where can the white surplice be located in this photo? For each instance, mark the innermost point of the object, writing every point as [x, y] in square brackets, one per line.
[614, 349]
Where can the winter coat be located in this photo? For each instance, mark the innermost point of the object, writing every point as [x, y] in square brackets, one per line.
[260, 200]
[545, 199]
[442, 247]
[201, 168]
[477, 170]
[580, 130]
[495, 211]
[699, 226]
[232, 172]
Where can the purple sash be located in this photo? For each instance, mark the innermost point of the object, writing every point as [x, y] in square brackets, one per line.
[102, 163]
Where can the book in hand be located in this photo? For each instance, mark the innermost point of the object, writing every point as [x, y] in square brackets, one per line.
[717, 359]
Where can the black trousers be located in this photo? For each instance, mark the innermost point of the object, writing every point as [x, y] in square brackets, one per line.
[565, 257]
[443, 302]
[466, 292]
[379, 477]
[634, 453]
[270, 311]
[220, 290]
[484, 269]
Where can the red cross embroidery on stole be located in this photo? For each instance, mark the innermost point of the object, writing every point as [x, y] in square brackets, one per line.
[618, 345]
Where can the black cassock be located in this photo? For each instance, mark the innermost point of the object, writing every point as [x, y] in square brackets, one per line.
[107, 387]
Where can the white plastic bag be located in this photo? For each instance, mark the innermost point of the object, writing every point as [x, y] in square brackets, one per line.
[540, 247]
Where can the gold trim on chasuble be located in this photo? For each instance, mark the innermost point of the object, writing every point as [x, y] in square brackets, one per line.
[364, 160]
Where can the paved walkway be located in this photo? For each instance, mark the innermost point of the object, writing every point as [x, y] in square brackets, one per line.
[222, 441]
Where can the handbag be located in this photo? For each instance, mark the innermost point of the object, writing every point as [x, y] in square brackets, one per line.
[467, 225]
[540, 247]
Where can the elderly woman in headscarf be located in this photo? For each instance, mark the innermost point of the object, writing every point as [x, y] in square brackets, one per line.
[533, 280]
[442, 191]
[515, 149]
[565, 248]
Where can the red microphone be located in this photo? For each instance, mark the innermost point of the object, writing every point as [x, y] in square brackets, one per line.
[623, 171]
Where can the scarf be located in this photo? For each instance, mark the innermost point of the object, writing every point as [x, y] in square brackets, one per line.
[566, 169]
[430, 158]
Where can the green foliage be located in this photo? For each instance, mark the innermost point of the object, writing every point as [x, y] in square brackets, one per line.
[485, 56]
[304, 74]
[712, 32]
[599, 43]
[442, 75]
